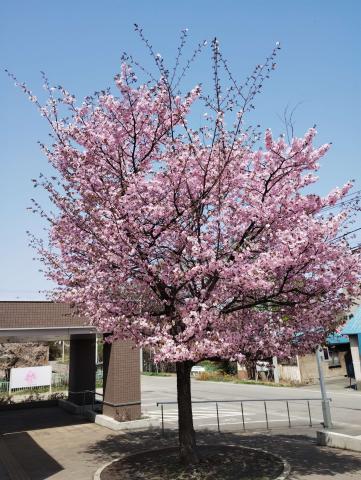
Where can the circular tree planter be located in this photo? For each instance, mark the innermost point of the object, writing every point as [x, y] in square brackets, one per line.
[226, 462]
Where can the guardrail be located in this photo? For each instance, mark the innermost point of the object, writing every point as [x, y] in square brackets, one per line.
[4, 386]
[263, 400]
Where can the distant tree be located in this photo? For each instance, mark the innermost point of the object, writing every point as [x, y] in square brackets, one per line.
[17, 355]
[195, 243]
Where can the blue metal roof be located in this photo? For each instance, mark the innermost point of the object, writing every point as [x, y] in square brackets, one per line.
[353, 325]
[337, 339]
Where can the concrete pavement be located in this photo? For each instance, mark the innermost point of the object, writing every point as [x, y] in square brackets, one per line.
[74, 449]
[51, 444]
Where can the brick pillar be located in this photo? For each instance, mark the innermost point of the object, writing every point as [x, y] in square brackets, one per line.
[121, 381]
[81, 368]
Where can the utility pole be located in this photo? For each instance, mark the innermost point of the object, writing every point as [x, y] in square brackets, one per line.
[327, 422]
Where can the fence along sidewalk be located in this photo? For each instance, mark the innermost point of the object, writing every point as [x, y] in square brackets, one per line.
[263, 401]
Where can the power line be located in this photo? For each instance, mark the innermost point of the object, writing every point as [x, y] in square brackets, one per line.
[347, 233]
[355, 197]
[352, 194]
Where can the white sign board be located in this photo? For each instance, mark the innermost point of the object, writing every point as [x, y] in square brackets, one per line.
[29, 377]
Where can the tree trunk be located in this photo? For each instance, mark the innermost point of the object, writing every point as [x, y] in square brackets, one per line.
[251, 369]
[187, 438]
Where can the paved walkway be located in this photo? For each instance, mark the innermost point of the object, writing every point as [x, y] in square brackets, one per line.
[48, 443]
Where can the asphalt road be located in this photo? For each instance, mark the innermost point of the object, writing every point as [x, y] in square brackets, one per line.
[345, 405]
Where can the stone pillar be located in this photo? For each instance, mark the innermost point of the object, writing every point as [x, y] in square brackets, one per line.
[121, 381]
[82, 368]
[356, 359]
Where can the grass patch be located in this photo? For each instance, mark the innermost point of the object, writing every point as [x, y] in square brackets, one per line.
[34, 391]
[157, 374]
[219, 377]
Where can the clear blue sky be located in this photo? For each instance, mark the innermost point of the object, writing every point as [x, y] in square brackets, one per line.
[78, 44]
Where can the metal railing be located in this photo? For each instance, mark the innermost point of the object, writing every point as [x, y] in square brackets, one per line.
[242, 402]
[4, 386]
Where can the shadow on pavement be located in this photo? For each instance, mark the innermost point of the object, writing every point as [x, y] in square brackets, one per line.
[35, 419]
[33, 459]
[305, 457]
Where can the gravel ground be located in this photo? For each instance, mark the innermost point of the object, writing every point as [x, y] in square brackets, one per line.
[216, 462]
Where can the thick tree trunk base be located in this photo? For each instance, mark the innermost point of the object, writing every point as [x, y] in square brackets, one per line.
[187, 437]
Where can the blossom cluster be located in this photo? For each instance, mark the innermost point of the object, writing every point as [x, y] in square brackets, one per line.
[191, 242]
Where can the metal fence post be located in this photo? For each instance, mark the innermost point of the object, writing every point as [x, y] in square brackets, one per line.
[244, 426]
[162, 419]
[288, 413]
[309, 412]
[265, 411]
[219, 430]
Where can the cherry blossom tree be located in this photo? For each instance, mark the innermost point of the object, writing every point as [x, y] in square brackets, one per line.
[197, 243]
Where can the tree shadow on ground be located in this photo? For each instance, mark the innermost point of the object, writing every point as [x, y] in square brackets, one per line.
[305, 457]
[35, 419]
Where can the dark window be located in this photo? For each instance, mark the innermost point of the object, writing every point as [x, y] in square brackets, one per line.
[326, 354]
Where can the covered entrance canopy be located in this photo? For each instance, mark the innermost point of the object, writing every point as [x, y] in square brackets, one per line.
[22, 321]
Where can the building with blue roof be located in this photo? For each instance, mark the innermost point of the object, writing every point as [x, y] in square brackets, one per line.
[352, 328]
[341, 355]
[353, 325]
[337, 339]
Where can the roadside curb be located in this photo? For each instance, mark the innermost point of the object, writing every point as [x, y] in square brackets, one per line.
[339, 440]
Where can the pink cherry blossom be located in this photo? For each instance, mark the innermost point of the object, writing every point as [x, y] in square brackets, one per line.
[192, 249]
[196, 244]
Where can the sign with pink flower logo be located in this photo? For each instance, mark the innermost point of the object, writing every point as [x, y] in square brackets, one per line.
[29, 377]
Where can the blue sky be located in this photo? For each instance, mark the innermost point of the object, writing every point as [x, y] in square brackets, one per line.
[78, 44]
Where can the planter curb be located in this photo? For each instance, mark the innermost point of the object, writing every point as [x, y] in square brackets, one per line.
[283, 476]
